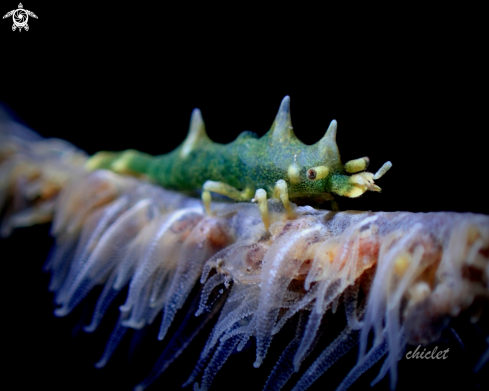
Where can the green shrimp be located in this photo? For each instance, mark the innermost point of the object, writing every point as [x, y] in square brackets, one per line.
[277, 165]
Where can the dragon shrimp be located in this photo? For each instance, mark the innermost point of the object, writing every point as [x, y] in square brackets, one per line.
[277, 165]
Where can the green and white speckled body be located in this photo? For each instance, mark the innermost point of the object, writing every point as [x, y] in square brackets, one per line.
[311, 173]
[247, 162]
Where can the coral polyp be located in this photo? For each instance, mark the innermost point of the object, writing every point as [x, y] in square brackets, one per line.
[391, 279]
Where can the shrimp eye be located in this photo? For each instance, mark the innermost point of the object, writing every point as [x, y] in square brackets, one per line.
[317, 173]
[311, 174]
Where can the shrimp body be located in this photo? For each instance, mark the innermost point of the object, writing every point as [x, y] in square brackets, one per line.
[277, 165]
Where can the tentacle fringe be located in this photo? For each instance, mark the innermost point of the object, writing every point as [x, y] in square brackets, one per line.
[398, 277]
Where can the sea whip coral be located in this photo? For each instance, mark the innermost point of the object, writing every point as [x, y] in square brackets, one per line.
[398, 277]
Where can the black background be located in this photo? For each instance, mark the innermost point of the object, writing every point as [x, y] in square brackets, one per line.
[405, 86]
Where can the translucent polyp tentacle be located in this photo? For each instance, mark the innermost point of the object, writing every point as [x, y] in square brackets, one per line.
[387, 365]
[231, 314]
[74, 205]
[232, 324]
[284, 368]
[297, 306]
[60, 258]
[114, 340]
[279, 268]
[375, 314]
[232, 262]
[96, 224]
[335, 350]
[162, 253]
[122, 273]
[206, 237]
[106, 297]
[212, 282]
[365, 363]
[344, 263]
[186, 332]
[220, 356]
[104, 257]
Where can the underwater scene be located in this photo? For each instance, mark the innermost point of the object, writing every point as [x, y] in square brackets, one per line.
[283, 293]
